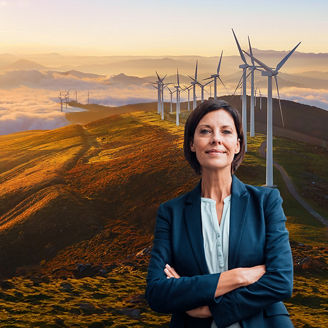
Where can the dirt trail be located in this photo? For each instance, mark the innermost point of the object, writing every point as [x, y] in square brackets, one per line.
[291, 188]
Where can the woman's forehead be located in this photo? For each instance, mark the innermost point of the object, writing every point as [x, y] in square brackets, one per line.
[217, 117]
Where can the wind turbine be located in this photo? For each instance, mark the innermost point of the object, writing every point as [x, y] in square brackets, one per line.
[193, 83]
[202, 86]
[188, 90]
[171, 94]
[67, 98]
[269, 72]
[177, 108]
[216, 76]
[244, 99]
[160, 93]
[61, 101]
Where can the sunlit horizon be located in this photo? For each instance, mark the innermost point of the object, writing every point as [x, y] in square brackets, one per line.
[161, 28]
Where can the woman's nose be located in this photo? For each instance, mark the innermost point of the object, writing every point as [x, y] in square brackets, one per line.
[216, 138]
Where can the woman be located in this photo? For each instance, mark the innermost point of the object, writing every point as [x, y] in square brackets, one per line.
[221, 255]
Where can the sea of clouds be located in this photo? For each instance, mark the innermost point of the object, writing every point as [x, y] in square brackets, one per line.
[29, 99]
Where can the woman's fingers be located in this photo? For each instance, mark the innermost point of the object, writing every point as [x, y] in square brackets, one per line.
[170, 272]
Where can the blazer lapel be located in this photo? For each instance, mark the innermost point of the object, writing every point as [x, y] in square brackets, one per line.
[238, 210]
[193, 222]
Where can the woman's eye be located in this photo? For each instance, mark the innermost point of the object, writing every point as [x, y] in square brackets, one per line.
[204, 131]
[226, 131]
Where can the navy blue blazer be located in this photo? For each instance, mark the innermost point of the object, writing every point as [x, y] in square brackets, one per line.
[257, 236]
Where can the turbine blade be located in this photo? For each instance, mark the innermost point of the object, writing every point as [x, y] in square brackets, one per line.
[251, 51]
[192, 78]
[282, 117]
[267, 68]
[208, 78]
[178, 77]
[196, 70]
[239, 83]
[158, 76]
[240, 51]
[218, 69]
[221, 81]
[286, 57]
[223, 84]
[248, 75]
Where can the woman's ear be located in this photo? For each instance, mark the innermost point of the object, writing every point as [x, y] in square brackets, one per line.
[192, 147]
[237, 150]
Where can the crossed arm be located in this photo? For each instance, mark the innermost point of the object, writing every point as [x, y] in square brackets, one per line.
[229, 296]
[228, 281]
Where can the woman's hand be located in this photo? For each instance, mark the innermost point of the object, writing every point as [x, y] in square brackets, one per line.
[170, 272]
[250, 275]
[200, 312]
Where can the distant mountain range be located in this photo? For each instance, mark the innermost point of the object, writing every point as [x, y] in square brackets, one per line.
[146, 65]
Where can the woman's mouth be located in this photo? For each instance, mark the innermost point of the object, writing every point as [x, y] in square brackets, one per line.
[215, 151]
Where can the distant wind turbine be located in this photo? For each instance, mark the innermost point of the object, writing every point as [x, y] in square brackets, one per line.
[171, 96]
[61, 98]
[216, 76]
[160, 93]
[194, 82]
[202, 86]
[269, 72]
[188, 90]
[177, 108]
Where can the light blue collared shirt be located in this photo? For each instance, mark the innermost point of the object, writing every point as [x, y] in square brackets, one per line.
[216, 238]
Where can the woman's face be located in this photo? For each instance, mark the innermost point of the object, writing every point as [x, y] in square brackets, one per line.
[215, 141]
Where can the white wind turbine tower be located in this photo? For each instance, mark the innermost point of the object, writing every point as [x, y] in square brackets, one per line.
[244, 99]
[193, 83]
[164, 85]
[188, 90]
[171, 96]
[177, 108]
[269, 72]
[216, 76]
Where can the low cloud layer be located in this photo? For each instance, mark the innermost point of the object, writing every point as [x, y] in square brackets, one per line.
[29, 100]
[312, 97]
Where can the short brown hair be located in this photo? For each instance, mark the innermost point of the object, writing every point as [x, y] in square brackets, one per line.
[195, 116]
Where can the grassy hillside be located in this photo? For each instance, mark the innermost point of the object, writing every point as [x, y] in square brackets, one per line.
[77, 213]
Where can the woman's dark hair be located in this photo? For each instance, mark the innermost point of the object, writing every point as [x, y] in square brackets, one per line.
[192, 122]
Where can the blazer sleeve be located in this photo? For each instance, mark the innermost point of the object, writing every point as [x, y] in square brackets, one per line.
[174, 295]
[275, 285]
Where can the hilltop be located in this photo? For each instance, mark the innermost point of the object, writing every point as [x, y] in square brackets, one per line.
[81, 201]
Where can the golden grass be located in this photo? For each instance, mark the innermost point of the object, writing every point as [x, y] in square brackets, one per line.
[118, 170]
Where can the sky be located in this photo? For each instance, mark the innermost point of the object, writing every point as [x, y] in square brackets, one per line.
[157, 27]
